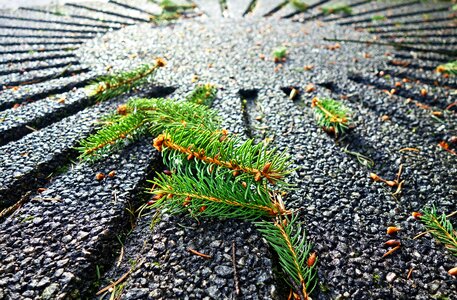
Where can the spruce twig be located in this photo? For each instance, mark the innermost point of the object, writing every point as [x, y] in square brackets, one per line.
[205, 195]
[171, 11]
[109, 86]
[441, 228]
[299, 5]
[203, 94]
[242, 159]
[214, 174]
[140, 117]
[331, 115]
[448, 68]
[289, 241]
[280, 54]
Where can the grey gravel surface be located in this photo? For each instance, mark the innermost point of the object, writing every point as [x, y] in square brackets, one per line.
[347, 216]
[14, 79]
[55, 247]
[33, 92]
[52, 246]
[22, 164]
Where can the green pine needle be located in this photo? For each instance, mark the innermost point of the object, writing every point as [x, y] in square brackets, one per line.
[210, 195]
[203, 94]
[441, 228]
[110, 86]
[449, 68]
[217, 148]
[331, 115]
[337, 9]
[288, 239]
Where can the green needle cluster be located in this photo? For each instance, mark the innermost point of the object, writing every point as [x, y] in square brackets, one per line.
[288, 239]
[110, 86]
[219, 149]
[203, 94]
[299, 5]
[140, 117]
[448, 68]
[441, 228]
[337, 9]
[331, 115]
[279, 54]
[208, 195]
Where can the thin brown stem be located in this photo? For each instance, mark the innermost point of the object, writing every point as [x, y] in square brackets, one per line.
[272, 211]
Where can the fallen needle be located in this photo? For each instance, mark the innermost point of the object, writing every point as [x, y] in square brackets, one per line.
[198, 253]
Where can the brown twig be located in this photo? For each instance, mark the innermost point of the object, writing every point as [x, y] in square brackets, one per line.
[121, 255]
[409, 149]
[47, 199]
[235, 275]
[122, 278]
[391, 251]
[420, 234]
[199, 254]
[410, 273]
[14, 207]
[451, 214]
[297, 289]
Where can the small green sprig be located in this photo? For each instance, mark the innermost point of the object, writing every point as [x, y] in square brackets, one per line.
[376, 18]
[170, 11]
[448, 68]
[243, 160]
[337, 9]
[203, 94]
[280, 54]
[441, 228]
[110, 86]
[331, 115]
[299, 5]
[209, 195]
[288, 239]
[171, 6]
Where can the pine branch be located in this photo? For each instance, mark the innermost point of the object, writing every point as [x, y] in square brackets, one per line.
[288, 239]
[441, 228]
[210, 196]
[331, 115]
[448, 68]
[140, 117]
[243, 159]
[203, 94]
[163, 114]
[109, 86]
